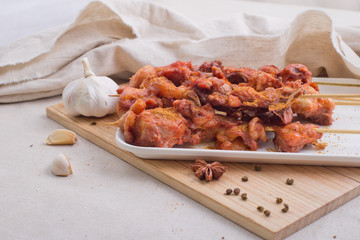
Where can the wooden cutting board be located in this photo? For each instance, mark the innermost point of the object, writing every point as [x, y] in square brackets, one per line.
[315, 192]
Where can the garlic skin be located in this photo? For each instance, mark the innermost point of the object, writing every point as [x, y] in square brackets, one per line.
[89, 96]
[61, 166]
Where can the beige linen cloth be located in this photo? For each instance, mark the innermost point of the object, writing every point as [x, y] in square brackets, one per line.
[118, 37]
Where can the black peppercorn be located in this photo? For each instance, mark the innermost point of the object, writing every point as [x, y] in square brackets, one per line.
[244, 196]
[260, 208]
[286, 208]
[228, 191]
[267, 213]
[257, 168]
[289, 181]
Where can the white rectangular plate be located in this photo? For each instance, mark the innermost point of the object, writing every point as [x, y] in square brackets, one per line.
[342, 149]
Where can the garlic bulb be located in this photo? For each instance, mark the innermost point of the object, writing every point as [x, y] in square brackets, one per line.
[61, 166]
[89, 96]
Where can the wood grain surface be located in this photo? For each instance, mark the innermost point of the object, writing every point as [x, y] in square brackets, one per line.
[316, 190]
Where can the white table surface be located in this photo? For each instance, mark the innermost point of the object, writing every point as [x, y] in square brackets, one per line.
[106, 198]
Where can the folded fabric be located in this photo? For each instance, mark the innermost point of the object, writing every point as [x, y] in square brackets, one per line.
[118, 37]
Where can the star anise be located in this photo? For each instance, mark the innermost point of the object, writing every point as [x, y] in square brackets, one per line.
[207, 171]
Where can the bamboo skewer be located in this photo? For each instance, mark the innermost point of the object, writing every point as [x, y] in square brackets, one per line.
[348, 103]
[334, 95]
[343, 131]
[348, 99]
[322, 130]
[338, 84]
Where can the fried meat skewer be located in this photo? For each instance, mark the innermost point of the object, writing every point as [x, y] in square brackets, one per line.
[156, 96]
[240, 99]
[188, 123]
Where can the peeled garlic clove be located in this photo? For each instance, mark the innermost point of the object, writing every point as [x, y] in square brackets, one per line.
[61, 137]
[61, 166]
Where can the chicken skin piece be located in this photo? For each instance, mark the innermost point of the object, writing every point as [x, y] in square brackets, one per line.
[294, 136]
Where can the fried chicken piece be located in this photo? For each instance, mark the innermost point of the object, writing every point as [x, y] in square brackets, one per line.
[293, 137]
[223, 101]
[142, 74]
[262, 80]
[156, 92]
[162, 87]
[177, 72]
[259, 80]
[317, 110]
[208, 131]
[230, 97]
[239, 136]
[198, 115]
[128, 96]
[203, 121]
[256, 130]
[127, 120]
[270, 69]
[294, 72]
[126, 125]
[215, 91]
[249, 97]
[238, 75]
[208, 66]
[224, 143]
[158, 127]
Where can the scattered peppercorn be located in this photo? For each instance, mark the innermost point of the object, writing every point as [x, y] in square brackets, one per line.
[279, 200]
[93, 123]
[244, 179]
[260, 208]
[267, 213]
[289, 181]
[286, 208]
[244, 196]
[257, 168]
[228, 191]
[236, 191]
